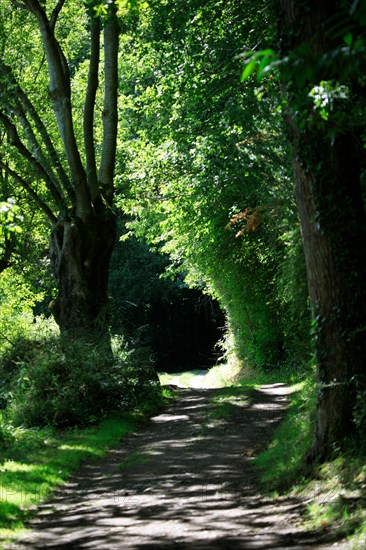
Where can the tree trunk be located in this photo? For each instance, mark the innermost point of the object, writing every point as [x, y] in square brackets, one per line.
[80, 256]
[333, 228]
[333, 223]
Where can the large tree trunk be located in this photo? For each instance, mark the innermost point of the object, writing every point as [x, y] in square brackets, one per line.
[333, 224]
[334, 237]
[80, 255]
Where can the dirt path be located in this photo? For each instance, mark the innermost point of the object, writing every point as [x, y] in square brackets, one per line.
[186, 481]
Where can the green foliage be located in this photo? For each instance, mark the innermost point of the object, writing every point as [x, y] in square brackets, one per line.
[262, 61]
[326, 94]
[136, 285]
[61, 382]
[48, 380]
[178, 323]
[204, 173]
[303, 65]
[20, 333]
[10, 218]
[335, 495]
[360, 409]
[292, 291]
[6, 432]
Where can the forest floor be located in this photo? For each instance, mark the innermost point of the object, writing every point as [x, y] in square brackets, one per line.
[186, 479]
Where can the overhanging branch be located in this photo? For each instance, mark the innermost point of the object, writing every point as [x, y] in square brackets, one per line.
[37, 149]
[27, 155]
[56, 13]
[19, 98]
[27, 187]
[43, 132]
[60, 93]
[20, 5]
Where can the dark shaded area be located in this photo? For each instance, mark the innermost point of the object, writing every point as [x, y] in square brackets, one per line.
[185, 481]
[180, 325]
[185, 331]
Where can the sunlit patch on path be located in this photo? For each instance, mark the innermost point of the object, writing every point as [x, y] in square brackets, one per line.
[184, 481]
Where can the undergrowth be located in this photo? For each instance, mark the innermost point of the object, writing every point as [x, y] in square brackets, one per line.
[335, 491]
[63, 382]
[337, 497]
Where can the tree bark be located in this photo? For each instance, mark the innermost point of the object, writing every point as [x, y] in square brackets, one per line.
[80, 256]
[333, 224]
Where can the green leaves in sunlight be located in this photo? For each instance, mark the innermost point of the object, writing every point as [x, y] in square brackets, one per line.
[198, 150]
[325, 94]
[10, 218]
[260, 62]
[101, 7]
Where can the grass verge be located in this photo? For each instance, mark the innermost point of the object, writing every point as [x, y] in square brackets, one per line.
[337, 498]
[283, 463]
[39, 460]
[334, 492]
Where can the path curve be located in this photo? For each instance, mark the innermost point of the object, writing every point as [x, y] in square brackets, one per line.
[190, 484]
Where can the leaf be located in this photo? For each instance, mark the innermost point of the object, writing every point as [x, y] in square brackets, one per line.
[262, 66]
[268, 56]
[268, 52]
[348, 38]
[245, 55]
[248, 70]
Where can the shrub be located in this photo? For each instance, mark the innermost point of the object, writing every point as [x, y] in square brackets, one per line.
[6, 434]
[63, 382]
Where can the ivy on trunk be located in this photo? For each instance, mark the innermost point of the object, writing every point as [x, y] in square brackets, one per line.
[328, 163]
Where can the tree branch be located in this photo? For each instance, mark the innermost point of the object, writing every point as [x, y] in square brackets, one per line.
[89, 107]
[43, 206]
[56, 13]
[60, 93]
[26, 154]
[37, 149]
[20, 5]
[20, 98]
[29, 107]
[110, 111]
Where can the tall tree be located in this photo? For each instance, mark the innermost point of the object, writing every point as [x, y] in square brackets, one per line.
[69, 178]
[323, 51]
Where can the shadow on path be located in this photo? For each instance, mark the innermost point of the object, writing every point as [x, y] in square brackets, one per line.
[185, 481]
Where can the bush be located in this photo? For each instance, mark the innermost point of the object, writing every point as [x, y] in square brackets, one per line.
[6, 434]
[63, 382]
